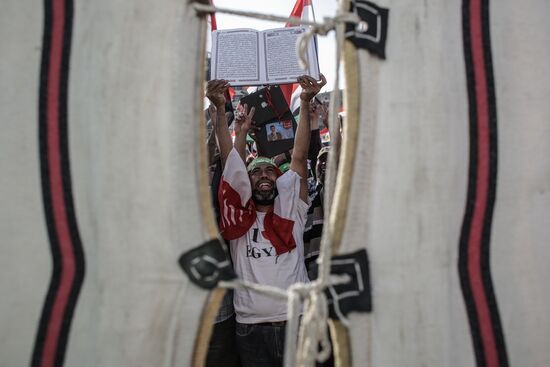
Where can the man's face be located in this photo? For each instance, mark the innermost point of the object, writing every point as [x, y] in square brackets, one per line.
[321, 167]
[273, 129]
[262, 181]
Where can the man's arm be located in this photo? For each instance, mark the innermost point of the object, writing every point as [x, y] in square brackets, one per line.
[211, 143]
[215, 90]
[310, 87]
[316, 111]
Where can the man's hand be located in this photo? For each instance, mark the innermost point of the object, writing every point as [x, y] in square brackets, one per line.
[310, 86]
[243, 124]
[317, 110]
[243, 120]
[215, 92]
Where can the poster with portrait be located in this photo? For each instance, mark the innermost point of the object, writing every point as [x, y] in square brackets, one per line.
[279, 130]
[273, 117]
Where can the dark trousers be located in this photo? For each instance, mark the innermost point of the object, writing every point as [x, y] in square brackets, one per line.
[222, 350]
[261, 345]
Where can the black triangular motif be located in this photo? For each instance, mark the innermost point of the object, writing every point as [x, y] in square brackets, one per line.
[207, 264]
[370, 35]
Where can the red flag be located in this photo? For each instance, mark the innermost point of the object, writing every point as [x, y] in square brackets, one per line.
[301, 9]
[298, 10]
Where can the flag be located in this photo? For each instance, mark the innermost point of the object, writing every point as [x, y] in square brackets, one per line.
[325, 136]
[213, 23]
[303, 9]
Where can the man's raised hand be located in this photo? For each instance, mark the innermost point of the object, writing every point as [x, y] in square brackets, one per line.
[243, 120]
[310, 86]
[215, 92]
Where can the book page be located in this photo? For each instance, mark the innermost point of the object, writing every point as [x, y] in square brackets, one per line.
[236, 56]
[281, 59]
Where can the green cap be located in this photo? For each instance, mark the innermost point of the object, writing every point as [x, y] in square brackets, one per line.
[260, 160]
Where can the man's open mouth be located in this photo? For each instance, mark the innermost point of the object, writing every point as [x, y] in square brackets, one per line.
[265, 186]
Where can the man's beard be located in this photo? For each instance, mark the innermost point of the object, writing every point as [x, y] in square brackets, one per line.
[264, 197]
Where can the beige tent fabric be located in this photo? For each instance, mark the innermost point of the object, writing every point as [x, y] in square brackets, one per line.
[410, 180]
[138, 139]
[521, 225]
[408, 190]
[138, 170]
[25, 262]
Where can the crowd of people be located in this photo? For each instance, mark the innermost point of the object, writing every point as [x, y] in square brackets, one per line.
[270, 213]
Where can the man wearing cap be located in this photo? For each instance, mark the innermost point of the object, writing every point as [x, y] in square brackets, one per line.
[263, 215]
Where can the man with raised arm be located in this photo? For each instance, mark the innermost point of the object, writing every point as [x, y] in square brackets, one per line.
[263, 215]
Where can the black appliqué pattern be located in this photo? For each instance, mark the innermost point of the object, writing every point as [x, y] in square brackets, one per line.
[354, 296]
[207, 264]
[373, 37]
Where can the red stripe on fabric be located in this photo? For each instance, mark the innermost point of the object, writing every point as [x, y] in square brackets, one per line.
[482, 188]
[68, 262]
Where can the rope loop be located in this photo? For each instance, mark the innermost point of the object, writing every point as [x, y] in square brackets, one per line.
[302, 339]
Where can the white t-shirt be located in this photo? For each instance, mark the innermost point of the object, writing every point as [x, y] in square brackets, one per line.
[255, 258]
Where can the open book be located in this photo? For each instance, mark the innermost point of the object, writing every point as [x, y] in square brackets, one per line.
[249, 57]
